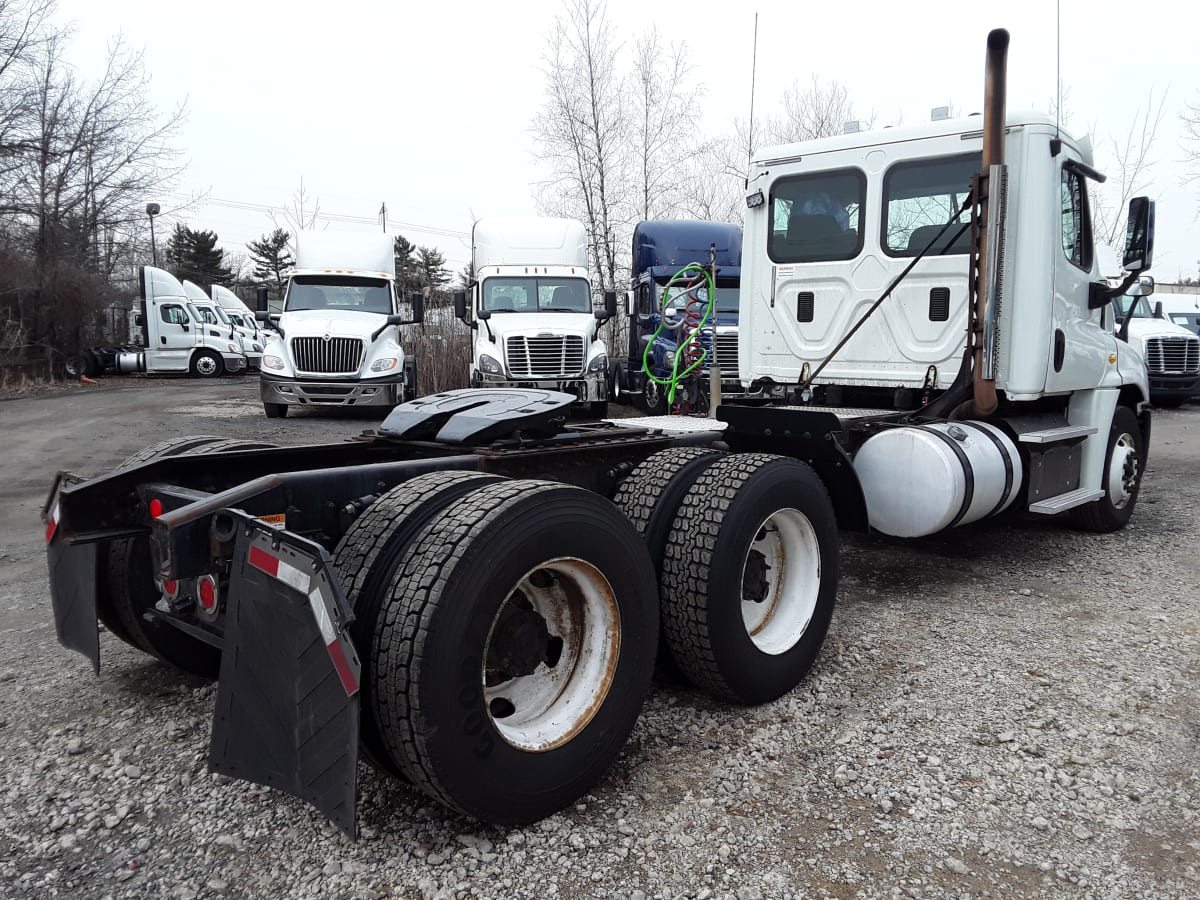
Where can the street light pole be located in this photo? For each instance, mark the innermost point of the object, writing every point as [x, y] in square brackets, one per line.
[152, 210]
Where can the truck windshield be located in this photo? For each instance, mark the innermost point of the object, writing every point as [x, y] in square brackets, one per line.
[203, 314]
[727, 296]
[1141, 309]
[334, 292]
[537, 295]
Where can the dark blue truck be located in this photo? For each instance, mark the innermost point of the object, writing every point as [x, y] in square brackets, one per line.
[660, 250]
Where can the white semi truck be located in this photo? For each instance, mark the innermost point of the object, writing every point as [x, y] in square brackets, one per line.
[531, 310]
[217, 320]
[338, 335]
[177, 337]
[471, 595]
[1170, 350]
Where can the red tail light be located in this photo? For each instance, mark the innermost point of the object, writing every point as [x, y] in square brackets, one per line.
[156, 508]
[206, 593]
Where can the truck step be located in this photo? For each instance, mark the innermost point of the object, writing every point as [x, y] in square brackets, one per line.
[1054, 435]
[1053, 505]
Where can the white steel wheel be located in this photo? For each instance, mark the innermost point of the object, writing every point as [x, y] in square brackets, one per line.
[1123, 471]
[781, 580]
[551, 653]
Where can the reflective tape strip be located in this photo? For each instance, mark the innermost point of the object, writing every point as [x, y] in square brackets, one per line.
[340, 663]
[321, 615]
[52, 523]
[280, 570]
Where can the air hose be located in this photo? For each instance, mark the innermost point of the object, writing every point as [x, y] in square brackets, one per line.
[685, 350]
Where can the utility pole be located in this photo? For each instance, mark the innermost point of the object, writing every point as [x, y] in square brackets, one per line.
[383, 216]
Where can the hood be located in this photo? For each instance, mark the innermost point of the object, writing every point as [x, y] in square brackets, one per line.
[505, 324]
[339, 323]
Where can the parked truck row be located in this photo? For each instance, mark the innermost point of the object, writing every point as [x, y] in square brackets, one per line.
[472, 595]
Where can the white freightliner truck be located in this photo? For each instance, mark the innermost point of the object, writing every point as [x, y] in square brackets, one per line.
[177, 337]
[531, 309]
[242, 319]
[471, 595]
[216, 319]
[1171, 351]
[338, 341]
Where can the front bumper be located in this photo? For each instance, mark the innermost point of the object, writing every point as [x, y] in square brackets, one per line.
[332, 391]
[235, 363]
[590, 388]
[254, 361]
[1173, 386]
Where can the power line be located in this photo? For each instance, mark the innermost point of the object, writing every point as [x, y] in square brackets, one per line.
[249, 206]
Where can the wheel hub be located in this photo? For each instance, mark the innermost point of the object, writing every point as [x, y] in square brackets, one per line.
[520, 642]
[1124, 470]
[754, 578]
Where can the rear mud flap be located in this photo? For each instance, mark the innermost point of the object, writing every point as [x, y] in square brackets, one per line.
[73, 597]
[287, 701]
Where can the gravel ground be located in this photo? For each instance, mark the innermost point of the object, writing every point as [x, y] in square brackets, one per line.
[1009, 710]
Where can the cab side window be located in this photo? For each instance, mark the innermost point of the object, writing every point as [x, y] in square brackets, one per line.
[173, 315]
[645, 307]
[1076, 220]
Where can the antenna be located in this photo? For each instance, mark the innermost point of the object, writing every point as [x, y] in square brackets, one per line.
[1058, 68]
[753, 72]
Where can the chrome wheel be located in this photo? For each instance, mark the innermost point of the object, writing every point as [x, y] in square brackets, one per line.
[206, 366]
[781, 580]
[551, 654]
[1123, 471]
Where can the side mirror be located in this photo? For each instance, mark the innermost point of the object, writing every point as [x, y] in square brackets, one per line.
[610, 307]
[460, 305]
[262, 316]
[261, 298]
[418, 308]
[1158, 313]
[1139, 236]
[630, 302]
[484, 314]
[138, 320]
[1143, 287]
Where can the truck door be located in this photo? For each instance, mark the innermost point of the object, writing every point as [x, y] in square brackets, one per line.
[1079, 347]
[172, 338]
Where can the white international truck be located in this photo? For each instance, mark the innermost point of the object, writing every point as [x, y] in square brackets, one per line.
[531, 310]
[472, 595]
[177, 337]
[338, 335]
[218, 321]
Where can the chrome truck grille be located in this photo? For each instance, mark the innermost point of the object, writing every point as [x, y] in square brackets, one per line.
[552, 356]
[727, 353]
[339, 355]
[1173, 355]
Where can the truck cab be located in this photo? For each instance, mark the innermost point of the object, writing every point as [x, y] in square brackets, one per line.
[661, 312]
[243, 321]
[530, 308]
[1171, 351]
[218, 323]
[338, 337]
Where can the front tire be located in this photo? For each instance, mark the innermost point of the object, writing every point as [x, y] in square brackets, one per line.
[750, 576]
[515, 648]
[207, 364]
[654, 397]
[1124, 463]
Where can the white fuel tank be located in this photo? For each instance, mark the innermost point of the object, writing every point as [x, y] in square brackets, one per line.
[920, 479]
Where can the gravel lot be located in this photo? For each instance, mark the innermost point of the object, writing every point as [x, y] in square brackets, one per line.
[1009, 710]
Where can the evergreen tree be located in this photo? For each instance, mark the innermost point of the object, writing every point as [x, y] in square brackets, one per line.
[431, 264]
[466, 277]
[407, 268]
[271, 258]
[194, 255]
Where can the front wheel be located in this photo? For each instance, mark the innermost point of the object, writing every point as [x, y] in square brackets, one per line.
[514, 649]
[207, 364]
[1124, 462]
[749, 576]
[654, 397]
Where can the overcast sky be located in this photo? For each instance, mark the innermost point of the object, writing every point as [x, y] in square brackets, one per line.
[427, 106]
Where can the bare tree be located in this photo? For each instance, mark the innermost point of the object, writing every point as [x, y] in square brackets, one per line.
[1129, 170]
[582, 131]
[299, 216]
[819, 110]
[1190, 120]
[714, 188]
[665, 136]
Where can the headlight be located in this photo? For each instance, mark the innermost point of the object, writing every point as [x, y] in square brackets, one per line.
[489, 365]
[383, 365]
[272, 362]
[257, 348]
[599, 364]
[233, 349]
